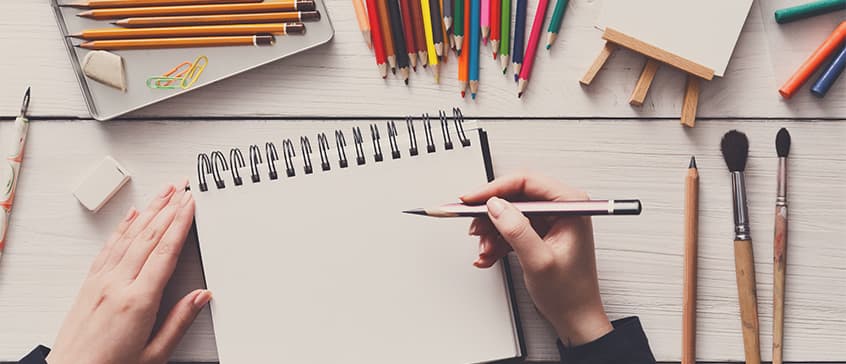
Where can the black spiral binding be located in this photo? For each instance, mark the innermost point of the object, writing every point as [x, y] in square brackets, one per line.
[215, 163]
[237, 160]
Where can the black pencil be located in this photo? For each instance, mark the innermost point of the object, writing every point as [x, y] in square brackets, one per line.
[558, 208]
[437, 29]
[399, 39]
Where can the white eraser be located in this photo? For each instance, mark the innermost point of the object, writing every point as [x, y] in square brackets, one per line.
[101, 184]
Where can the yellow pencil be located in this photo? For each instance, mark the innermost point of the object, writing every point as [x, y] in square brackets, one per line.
[430, 42]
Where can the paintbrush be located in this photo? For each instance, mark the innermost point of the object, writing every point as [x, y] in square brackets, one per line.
[735, 148]
[780, 245]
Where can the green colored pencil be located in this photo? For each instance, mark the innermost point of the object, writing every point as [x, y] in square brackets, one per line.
[505, 34]
[458, 24]
[555, 23]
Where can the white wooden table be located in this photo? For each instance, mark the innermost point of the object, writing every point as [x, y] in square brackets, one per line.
[602, 145]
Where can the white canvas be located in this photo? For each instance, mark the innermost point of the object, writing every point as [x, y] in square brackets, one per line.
[704, 32]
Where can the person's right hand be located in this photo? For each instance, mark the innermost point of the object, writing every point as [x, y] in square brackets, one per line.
[556, 253]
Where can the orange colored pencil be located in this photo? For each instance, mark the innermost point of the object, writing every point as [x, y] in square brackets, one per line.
[220, 19]
[117, 13]
[157, 43]
[102, 4]
[463, 58]
[190, 31]
[813, 62]
[385, 22]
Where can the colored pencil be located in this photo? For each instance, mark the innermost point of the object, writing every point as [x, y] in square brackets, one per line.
[430, 43]
[387, 35]
[182, 42]
[485, 20]
[408, 32]
[808, 10]
[448, 15]
[378, 42]
[496, 19]
[813, 62]
[363, 22]
[283, 5]
[458, 25]
[538, 208]
[437, 30]
[464, 57]
[221, 19]
[14, 158]
[505, 36]
[519, 37]
[190, 31]
[444, 34]
[419, 32]
[532, 47]
[555, 22]
[473, 58]
[691, 237]
[102, 4]
[831, 73]
[399, 39]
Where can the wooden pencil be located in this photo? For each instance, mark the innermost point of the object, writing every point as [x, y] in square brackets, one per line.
[102, 4]
[555, 22]
[430, 43]
[485, 20]
[538, 208]
[458, 26]
[463, 57]
[519, 37]
[505, 36]
[221, 19]
[444, 35]
[496, 18]
[399, 39]
[419, 32]
[186, 42]
[437, 30]
[387, 35]
[473, 57]
[190, 31]
[408, 32]
[378, 42]
[363, 22]
[691, 234]
[264, 7]
[532, 47]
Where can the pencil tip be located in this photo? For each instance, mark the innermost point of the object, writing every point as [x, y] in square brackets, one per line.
[415, 212]
[692, 162]
[406, 82]
[548, 46]
[473, 96]
[519, 95]
[516, 77]
[463, 93]
[394, 70]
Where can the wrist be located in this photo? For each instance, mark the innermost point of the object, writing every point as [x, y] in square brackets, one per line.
[580, 327]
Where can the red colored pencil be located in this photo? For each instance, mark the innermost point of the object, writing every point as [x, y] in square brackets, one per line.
[496, 9]
[408, 30]
[378, 42]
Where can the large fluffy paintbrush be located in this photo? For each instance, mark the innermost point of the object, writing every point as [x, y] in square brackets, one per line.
[780, 245]
[735, 148]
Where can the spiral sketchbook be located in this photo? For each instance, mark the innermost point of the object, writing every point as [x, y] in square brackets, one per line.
[310, 259]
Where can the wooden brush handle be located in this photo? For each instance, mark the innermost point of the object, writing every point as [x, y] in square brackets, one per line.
[779, 270]
[744, 267]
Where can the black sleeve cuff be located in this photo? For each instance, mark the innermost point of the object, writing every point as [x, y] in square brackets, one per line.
[627, 343]
[36, 356]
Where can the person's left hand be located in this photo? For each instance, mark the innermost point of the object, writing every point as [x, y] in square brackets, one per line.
[113, 317]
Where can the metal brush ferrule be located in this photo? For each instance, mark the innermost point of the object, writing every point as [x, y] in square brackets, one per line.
[741, 212]
[781, 197]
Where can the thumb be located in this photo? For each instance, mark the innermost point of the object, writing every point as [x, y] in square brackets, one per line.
[174, 326]
[516, 229]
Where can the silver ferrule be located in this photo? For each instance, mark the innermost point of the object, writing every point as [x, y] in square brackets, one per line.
[781, 197]
[741, 212]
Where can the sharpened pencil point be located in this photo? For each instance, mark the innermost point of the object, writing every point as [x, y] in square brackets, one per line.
[519, 95]
[415, 212]
[548, 46]
[692, 162]
[516, 77]
[473, 96]
[463, 93]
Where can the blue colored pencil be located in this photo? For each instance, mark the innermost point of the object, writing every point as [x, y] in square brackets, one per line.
[831, 73]
[519, 37]
[475, 37]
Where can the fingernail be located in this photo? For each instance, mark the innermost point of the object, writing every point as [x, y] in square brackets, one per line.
[495, 206]
[185, 198]
[202, 298]
[474, 228]
[131, 214]
[168, 189]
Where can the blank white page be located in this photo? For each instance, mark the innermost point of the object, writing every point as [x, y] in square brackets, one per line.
[704, 32]
[324, 268]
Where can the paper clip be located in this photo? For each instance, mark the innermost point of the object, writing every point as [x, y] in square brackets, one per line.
[183, 76]
[193, 73]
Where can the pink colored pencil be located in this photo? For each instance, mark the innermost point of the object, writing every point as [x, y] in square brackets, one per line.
[485, 19]
[532, 46]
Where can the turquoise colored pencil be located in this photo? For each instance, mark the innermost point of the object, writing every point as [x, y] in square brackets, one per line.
[808, 10]
[519, 37]
[505, 37]
[555, 22]
[475, 37]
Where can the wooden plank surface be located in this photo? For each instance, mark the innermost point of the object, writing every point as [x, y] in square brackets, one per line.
[340, 79]
[52, 238]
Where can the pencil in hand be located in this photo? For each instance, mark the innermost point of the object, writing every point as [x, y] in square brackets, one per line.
[554, 208]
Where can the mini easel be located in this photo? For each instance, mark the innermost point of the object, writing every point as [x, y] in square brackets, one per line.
[655, 57]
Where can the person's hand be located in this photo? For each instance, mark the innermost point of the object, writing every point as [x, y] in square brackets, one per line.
[113, 317]
[556, 253]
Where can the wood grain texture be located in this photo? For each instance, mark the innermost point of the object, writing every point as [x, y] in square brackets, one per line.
[640, 259]
[690, 103]
[779, 274]
[691, 233]
[644, 81]
[329, 80]
[747, 296]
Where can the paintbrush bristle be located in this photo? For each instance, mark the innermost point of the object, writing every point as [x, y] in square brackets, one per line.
[735, 148]
[783, 143]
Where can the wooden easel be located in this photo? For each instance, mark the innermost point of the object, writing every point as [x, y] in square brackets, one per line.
[655, 57]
